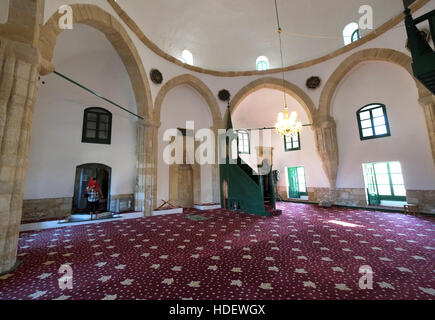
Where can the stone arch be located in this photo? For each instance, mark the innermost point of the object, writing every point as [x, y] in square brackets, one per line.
[207, 94]
[275, 83]
[324, 119]
[196, 84]
[321, 131]
[373, 54]
[101, 20]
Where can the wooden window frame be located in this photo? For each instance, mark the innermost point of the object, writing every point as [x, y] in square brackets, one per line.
[96, 140]
[358, 36]
[301, 194]
[391, 197]
[292, 148]
[387, 124]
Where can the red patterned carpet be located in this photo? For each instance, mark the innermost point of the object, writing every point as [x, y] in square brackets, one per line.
[306, 253]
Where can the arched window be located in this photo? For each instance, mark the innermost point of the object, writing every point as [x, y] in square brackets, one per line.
[262, 63]
[355, 35]
[97, 126]
[187, 57]
[373, 121]
[351, 33]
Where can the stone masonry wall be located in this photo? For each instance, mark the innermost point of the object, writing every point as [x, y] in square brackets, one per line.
[41, 209]
[356, 197]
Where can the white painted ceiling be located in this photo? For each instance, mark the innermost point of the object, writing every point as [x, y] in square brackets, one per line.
[230, 34]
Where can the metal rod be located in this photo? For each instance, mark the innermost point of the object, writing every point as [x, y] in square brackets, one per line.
[271, 128]
[95, 93]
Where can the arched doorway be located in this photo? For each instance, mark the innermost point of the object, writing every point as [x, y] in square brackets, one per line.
[84, 173]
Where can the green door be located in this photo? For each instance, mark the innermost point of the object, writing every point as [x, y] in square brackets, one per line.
[293, 183]
[372, 187]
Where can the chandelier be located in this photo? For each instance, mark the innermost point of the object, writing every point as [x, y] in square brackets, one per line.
[286, 125]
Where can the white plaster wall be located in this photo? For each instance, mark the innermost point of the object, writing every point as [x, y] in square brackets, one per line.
[181, 104]
[86, 56]
[394, 39]
[381, 82]
[259, 110]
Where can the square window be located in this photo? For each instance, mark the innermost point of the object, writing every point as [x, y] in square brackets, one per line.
[97, 126]
[388, 185]
[292, 143]
[373, 122]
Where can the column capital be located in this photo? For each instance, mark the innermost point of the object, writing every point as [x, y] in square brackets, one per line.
[323, 121]
[426, 99]
[20, 50]
[149, 123]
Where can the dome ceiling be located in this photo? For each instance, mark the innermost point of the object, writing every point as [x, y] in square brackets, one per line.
[229, 35]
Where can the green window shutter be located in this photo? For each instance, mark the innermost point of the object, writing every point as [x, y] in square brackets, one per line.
[372, 187]
[97, 126]
[293, 183]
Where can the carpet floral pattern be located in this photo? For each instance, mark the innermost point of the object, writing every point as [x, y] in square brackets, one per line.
[308, 252]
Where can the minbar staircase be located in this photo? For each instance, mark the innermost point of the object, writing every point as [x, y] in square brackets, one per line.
[246, 190]
[242, 189]
[423, 55]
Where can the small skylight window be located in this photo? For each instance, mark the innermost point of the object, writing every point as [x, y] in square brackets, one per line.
[351, 33]
[187, 57]
[262, 63]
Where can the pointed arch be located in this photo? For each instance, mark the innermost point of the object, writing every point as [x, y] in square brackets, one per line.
[196, 84]
[425, 97]
[373, 54]
[101, 20]
[275, 83]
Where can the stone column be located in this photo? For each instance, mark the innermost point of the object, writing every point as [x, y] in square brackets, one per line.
[18, 90]
[146, 166]
[215, 166]
[19, 72]
[327, 146]
[428, 104]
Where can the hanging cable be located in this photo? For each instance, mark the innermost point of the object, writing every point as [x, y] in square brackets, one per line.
[280, 50]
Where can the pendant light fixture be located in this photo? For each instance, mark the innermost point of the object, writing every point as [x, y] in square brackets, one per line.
[286, 124]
